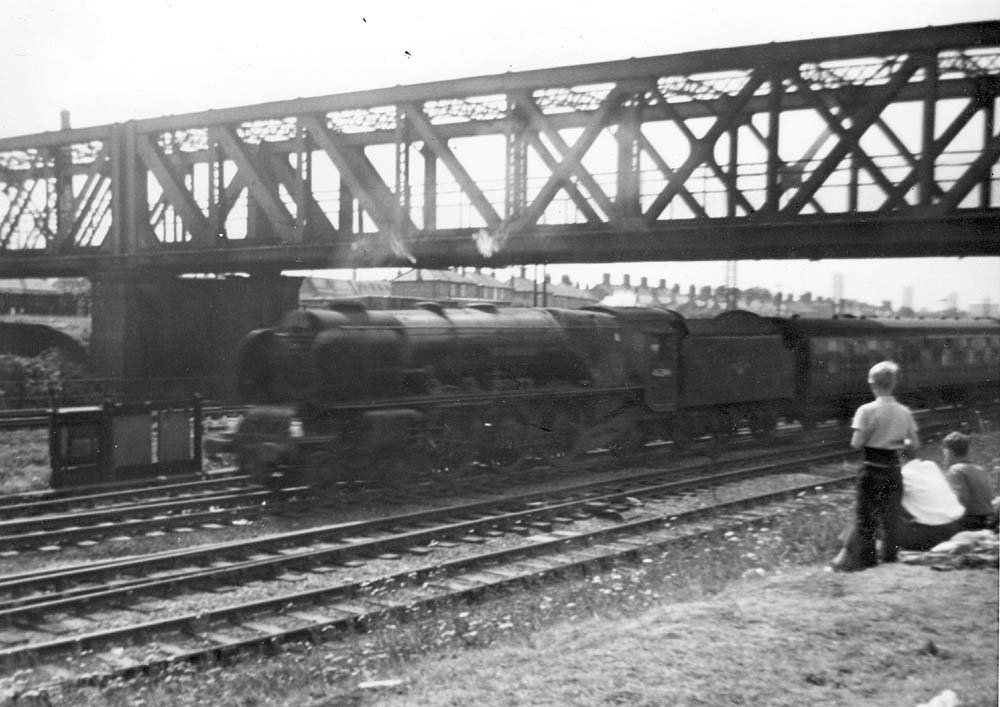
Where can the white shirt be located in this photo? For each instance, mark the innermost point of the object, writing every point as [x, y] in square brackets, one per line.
[927, 495]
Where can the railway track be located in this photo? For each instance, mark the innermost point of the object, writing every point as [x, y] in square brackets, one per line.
[56, 520]
[97, 621]
[52, 501]
[352, 540]
[86, 527]
[536, 532]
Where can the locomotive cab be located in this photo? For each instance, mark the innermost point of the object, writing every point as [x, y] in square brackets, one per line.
[650, 338]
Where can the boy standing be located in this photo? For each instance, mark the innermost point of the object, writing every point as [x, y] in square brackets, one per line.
[882, 428]
[970, 482]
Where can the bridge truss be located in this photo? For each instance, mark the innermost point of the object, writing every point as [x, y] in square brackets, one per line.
[873, 145]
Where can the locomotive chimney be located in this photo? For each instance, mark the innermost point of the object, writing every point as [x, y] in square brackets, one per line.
[607, 279]
[626, 281]
[663, 284]
[644, 283]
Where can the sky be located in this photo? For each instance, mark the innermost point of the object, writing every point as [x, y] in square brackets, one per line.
[115, 60]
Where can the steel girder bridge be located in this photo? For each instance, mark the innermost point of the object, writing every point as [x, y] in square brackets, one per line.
[852, 147]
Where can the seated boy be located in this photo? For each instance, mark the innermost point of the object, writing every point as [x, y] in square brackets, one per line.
[970, 482]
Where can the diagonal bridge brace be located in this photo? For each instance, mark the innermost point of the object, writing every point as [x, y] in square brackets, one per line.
[979, 169]
[263, 188]
[701, 151]
[571, 162]
[439, 146]
[175, 191]
[543, 126]
[850, 137]
[360, 176]
[669, 112]
[897, 197]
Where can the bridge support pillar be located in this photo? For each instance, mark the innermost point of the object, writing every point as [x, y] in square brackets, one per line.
[167, 337]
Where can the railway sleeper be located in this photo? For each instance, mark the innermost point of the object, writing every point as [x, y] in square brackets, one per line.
[521, 569]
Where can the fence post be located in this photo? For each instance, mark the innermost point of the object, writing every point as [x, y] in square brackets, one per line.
[55, 455]
[198, 431]
[107, 441]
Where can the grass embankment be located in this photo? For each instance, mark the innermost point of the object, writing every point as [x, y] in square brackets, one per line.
[751, 620]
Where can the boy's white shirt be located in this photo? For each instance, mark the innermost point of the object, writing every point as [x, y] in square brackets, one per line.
[927, 495]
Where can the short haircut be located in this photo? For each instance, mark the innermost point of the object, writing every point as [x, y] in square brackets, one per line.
[883, 375]
[957, 443]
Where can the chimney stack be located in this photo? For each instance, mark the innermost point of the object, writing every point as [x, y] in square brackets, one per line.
[626, 281]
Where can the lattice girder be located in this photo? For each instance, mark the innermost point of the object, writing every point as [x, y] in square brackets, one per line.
[885, 128]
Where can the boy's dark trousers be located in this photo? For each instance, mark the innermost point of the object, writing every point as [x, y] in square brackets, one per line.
[880, 493]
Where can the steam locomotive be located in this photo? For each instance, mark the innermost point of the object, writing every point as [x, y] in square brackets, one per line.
[347, 392]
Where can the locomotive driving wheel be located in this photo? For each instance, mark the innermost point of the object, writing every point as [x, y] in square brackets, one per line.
[447, 447]
[259, 462]
[762, 423]
[505, 450]
[682, 433]
[562, 440]
[629, 442]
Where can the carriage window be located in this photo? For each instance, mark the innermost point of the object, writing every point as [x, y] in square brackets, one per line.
[832, 345]
[971, 354]
[992, 353]
[872, 345]
[947, 352]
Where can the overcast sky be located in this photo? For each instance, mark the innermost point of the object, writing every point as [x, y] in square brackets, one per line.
[114, 60]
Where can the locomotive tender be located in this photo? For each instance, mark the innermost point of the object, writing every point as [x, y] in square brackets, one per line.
[347, 393]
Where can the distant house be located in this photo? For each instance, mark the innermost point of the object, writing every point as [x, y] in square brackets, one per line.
[563, 294]
[491, 289]
[566, 295]
[436, 285]
[525, 292]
